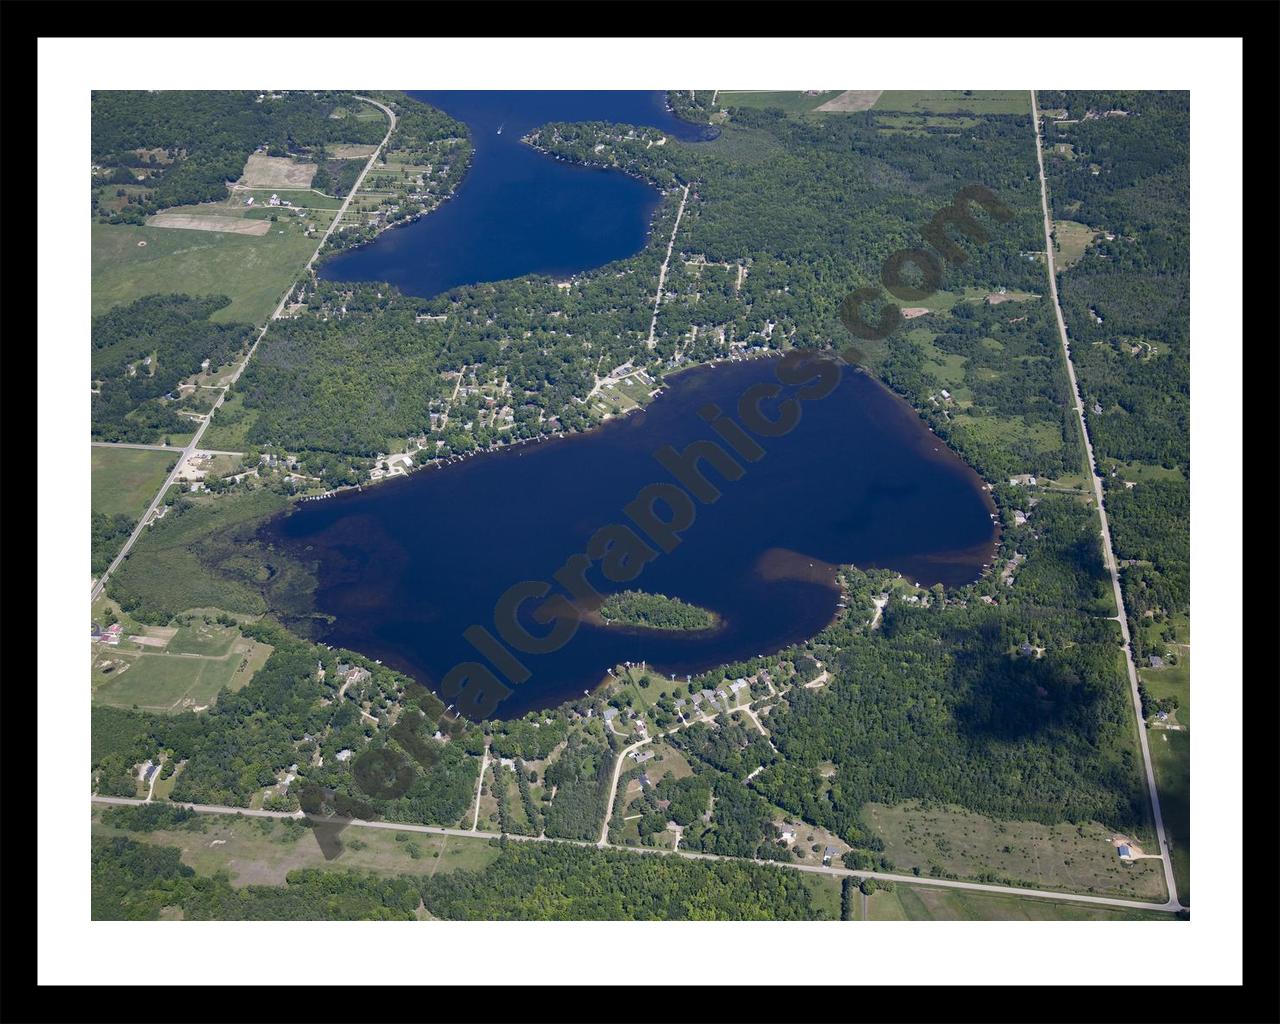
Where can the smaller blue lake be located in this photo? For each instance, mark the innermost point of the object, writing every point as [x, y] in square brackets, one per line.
[518, 211]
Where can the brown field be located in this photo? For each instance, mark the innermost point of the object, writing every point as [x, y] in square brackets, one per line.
[995, 298]
[231, 225]
[852, 99]
[911, 312]
[262, 171]
[351, 152]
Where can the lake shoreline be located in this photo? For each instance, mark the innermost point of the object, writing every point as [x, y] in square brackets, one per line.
[894, 478]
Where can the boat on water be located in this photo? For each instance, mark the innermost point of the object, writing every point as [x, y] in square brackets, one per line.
[501, 126]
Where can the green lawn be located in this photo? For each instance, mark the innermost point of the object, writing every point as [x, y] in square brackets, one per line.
[305, 198]
[161, 682]
[253, 270]
[124, 480]
[952, 101]
[1172, 681]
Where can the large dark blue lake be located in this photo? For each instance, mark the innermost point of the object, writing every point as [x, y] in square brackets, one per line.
[517, 211]
[407, 566]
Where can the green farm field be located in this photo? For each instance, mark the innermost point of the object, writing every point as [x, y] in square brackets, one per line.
[254, 270]
[124, 480]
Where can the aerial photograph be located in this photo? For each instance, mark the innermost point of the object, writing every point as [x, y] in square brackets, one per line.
[640, 505]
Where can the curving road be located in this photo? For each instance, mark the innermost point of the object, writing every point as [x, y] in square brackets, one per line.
[1108, 551]
[100, 583]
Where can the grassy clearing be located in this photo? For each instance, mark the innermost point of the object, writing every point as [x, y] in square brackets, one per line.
[1171, 762]
[826, 894]
[906, 121]
[167, 682]
[253, 271]
[1071, 239]
[1172, 681]
[956, 101]
[994, 431]
[976, 848]
[229, 428]
[262, 851]
[104, 606]
[924, 903]
[212, 641]
[308, 199]
[124, 480]
[1142, 472]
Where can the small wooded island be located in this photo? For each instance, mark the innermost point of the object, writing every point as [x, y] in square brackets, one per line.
[655, 611]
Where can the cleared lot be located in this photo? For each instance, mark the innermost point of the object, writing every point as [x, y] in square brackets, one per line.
[235, 225]
[852, 99]
[261, 171]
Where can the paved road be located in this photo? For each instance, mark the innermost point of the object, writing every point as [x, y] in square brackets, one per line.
[157, 447]
[437, 830]
[100, 584]
[1108, 550]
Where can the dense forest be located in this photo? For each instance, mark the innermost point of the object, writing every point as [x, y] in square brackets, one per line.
[1119, 162]
[581, 774]
[186, 146]
[560, 882]
[654, 611]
